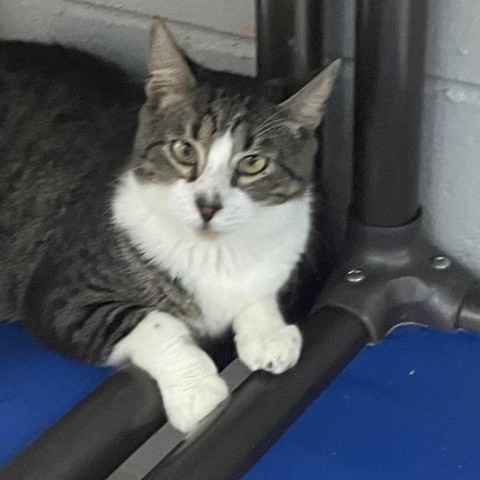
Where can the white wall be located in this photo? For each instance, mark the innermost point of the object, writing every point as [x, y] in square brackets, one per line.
[451, 130]
[220, 34]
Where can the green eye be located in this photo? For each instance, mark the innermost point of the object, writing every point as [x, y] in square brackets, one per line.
[184, 152]
[252, 165]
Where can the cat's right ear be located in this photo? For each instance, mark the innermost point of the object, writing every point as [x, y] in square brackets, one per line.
[170, 77]
[307, 107]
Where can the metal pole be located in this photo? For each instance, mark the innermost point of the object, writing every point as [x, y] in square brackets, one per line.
[390, 44]
[288, 41]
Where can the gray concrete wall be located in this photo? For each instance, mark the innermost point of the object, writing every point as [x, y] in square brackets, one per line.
[220, 34]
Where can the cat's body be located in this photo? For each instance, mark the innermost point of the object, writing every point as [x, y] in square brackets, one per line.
[112, 253]
[60, 159]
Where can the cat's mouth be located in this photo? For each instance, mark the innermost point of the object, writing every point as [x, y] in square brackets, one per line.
[207, 232]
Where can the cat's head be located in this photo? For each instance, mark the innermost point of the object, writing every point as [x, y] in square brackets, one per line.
[219, 156]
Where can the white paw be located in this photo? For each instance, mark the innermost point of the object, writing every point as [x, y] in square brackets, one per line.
[187, 405]
[191, 389]
[274, 350]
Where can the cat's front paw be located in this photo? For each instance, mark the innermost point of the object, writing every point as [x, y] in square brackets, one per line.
[274, 350]
[189, 402]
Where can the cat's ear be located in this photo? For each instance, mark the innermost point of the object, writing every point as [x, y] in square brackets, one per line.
[307, 106]
[169, 75]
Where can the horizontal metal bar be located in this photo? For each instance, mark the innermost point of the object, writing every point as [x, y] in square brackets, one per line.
[265, 405]
[96, 436]
[99, 434]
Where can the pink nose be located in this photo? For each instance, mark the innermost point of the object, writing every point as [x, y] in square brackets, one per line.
[208, 213]
[207, 210]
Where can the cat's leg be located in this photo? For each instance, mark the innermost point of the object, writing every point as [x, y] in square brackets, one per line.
[187, 377]
[264, 341]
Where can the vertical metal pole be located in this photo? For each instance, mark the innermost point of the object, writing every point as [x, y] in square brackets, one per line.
[274, 33]
[390, 44]
[288, 40]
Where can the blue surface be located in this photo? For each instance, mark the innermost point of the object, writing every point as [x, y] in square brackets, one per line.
[37, 386]
[405, 409]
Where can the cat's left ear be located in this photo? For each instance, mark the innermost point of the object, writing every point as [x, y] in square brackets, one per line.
[307, 107]
[170, 77]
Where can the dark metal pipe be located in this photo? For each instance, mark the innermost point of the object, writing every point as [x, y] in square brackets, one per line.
[265, 405]
[307, 48]
[390, 44]
[274, 32]
[288, 40]
[96, 436]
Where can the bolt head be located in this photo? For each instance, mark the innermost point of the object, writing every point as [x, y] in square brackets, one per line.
[440, 262]
[356, 275]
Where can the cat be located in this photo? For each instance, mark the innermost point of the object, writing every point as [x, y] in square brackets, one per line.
[130, 232]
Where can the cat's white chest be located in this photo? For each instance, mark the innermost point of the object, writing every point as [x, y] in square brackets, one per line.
[225, 278]
[225, 273]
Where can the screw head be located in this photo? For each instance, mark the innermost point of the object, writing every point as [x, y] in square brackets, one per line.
[356, 275]
[440, 262]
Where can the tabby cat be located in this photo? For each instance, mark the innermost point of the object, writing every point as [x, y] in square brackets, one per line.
[129, 234]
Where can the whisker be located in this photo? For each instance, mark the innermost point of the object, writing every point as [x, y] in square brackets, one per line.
[274, 114]
[268, 127]
[265, 123]
[123, 175]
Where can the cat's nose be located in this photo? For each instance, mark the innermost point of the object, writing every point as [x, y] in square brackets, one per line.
[207, 209]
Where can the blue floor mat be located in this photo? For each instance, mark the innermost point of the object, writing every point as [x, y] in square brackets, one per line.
[37, 386]
[405, 409]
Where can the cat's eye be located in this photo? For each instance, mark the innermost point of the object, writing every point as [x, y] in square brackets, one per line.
[252, 164]
[184, 152]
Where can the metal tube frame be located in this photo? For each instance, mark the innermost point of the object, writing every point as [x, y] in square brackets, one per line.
[389, 272]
